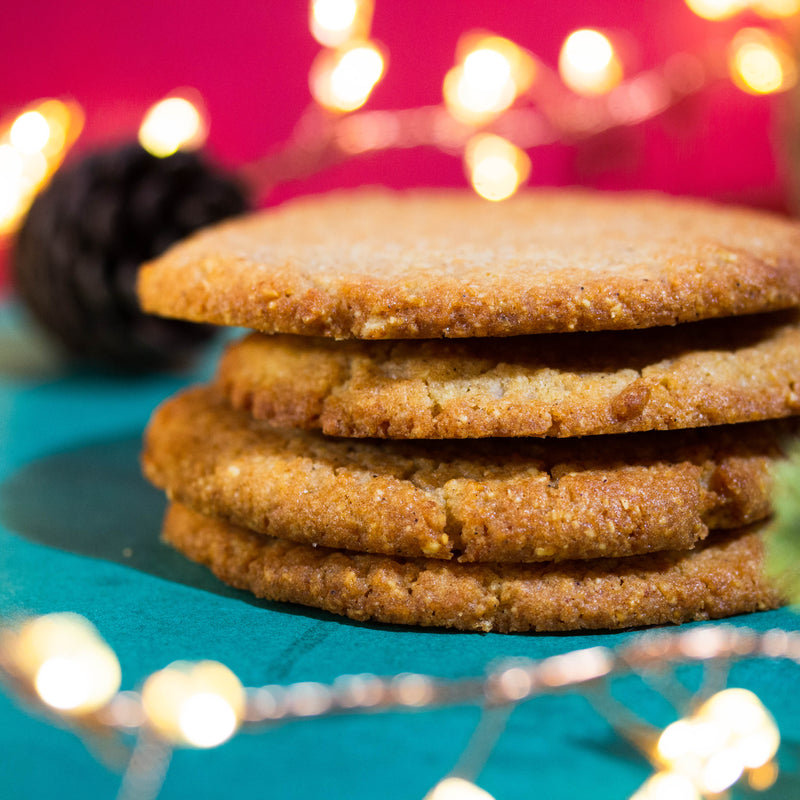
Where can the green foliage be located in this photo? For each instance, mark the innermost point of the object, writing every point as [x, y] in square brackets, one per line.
[783, 543]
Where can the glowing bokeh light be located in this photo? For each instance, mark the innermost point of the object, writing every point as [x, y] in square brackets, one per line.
[334, 15]
[196, 704]
[354, 76]
[729, 734]
[751, 729]
[495, 178]
[29, 132]
[207, 720]
[721, 771]
[496, 167]
[10, 206]
[475, 101]
[487, 67]
[172, 124]
[492, 73]
[667, 786]
[520, 62]
[716, 9]
[11, 163]
[62, 683]
[457, 789]
[71, 668]
[343, 81]
[35, 170]
[675, 741]
[60, 117]
[588, 64]
[775, 9]
[761, 63]
[332, 22]
[762, 778]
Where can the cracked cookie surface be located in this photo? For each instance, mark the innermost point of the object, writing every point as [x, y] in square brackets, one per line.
[706, 373]
[375, 264]
[721, 577]
[491, 500]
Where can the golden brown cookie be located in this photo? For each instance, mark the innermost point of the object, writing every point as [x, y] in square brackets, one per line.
[490, 500]
[374, 264]
[721, 577]
[705, 373]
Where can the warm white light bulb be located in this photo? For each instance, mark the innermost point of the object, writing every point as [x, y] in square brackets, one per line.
[492, 73]
[496, 167]
[588, 64]
[761, 63]
[11, 163]
[334, 23]
[721, 771]
[343, 81]
[752, 732]
[207, 720]
[775, 9]
[667, 786]
[197, 704]
[72, 669]
[35, 144]
[716, 9]
[62, 684]
[29, 132]
[495, 178]
[457, 789]
[171, 125]
[335, 15]
[354, 76]
[487, 68]
[485, 84]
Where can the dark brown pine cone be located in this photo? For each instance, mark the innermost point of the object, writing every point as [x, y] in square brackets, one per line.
[76, 255]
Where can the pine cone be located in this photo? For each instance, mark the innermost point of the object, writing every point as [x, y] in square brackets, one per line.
[78, 250]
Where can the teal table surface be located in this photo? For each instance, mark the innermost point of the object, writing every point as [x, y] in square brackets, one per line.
[79, 531]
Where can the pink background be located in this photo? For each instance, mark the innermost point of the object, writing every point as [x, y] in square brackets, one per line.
[250, 61]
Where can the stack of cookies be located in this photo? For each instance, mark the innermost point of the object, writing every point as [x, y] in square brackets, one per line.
[554, 413]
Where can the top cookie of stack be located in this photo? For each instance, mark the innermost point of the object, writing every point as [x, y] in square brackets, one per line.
[378, 265]
[531, 313]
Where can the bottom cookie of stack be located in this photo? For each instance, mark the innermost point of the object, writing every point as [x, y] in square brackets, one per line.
[721, 577]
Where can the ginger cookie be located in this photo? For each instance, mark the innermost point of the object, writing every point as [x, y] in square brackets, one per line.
[489, 500]
[705, 373]
[721, 577]
[375, 264]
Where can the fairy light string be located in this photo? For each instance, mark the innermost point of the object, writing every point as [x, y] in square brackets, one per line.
[497, 88]
[717, 741]
[499, 102]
